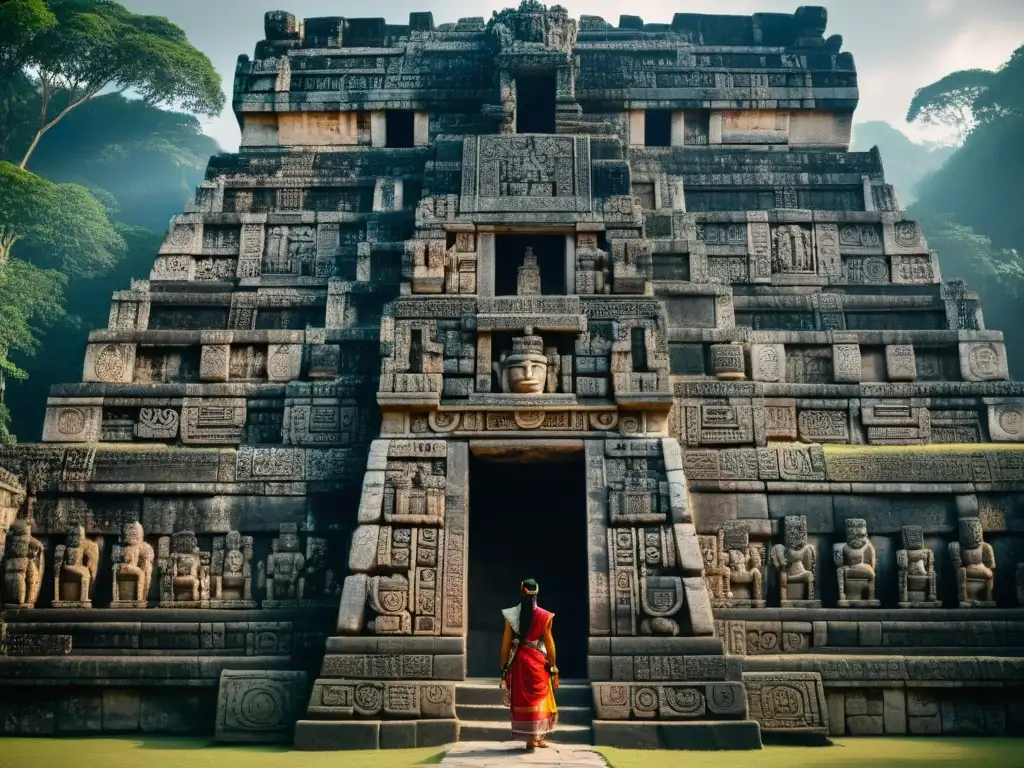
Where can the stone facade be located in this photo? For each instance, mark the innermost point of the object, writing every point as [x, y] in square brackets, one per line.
[646, 245]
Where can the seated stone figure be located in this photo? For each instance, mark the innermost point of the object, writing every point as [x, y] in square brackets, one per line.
[133, 568]
[285, 567]
[231, 579]
[975, 564]
[528, 276]
[797, 563]
[855, 567]
[524, 370]
[917, 571]
[184, 570]
[76, 564]
[741, 565]
[24, 562]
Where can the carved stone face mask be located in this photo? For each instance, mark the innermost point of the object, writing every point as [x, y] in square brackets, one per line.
[527, 374]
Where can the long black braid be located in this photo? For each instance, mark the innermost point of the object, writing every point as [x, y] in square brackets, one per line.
[527, 605]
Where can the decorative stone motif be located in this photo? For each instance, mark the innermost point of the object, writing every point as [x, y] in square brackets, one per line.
[727, 362]
[975, 565]
[797, 563]
[900, 362]
[259, 707]
[75, 566]
[24, 563]
[768, 362]
[793, 702]
[855, 567]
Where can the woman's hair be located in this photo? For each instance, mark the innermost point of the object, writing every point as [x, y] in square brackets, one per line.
[527, 604]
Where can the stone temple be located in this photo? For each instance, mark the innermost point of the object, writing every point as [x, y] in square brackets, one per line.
[609, 306]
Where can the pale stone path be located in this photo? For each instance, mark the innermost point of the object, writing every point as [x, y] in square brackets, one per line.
[501, 754]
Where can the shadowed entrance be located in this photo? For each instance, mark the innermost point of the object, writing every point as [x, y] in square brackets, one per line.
[527, 520]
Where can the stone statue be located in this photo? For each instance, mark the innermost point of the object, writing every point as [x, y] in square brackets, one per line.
[742, 566]
[185, 571]
[23, 566]
[75, 565]
[285, 567]
[231, 578]
[975, 564]
[524, 370]
[528, 277]
[133, 568]
[855, 567]
[797, 562]
[917, 571]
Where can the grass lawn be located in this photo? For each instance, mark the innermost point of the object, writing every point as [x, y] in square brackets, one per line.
[197, 753]
[847, 753]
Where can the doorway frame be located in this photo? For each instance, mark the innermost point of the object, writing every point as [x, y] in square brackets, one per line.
[486, 255]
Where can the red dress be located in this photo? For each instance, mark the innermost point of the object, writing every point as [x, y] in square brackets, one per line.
[533, 710]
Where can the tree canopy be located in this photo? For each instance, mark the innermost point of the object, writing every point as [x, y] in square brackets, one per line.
[78, 48]
[950, 101]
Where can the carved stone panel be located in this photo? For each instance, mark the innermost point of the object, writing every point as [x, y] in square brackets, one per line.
[768, 362]
[1006, 422]
[259, 706]
[900, 362]
[72, 424]
[983, 361]
[506, 174]
[109, 363]
[789, 702]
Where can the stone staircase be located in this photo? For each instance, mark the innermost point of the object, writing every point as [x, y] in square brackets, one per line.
[483, 717]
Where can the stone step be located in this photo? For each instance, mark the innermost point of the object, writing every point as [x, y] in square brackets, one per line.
[486, 731]
[575, 693]
[492, 713]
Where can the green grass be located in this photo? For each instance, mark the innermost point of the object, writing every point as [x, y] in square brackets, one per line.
[158, 752]
[847, 753]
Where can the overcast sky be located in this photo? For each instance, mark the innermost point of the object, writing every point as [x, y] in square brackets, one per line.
[898, 45]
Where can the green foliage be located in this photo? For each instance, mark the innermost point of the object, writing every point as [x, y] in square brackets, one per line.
[98, 44]
[1004, 96]
[59, 226]
[950, 101]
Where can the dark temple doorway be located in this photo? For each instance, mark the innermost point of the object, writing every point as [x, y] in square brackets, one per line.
[508, 257]
[528, 520]
[535, 103]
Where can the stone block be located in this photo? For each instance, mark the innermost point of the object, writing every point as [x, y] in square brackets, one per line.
[172, 711]
[894, 712]
[806, 709]
[1006, 422]
[864, 725]
[869, 633]
[352, 612]
[80, 713]
[900, 362]
[450, 667]
[398, 734]
[768, 362]
[73, 424]
[921, 704]
[318, 736]
[703, 736]
[436, 733]
[109, 363]
[284, 362]
[928, 725]
[259, 706]
[121, 710]
[836, 713]
[983, 361]
[599, 668]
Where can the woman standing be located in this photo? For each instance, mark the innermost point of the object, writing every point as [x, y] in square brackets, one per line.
[529, 675]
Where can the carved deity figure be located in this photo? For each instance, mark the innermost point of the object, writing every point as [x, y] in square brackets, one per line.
[23, 566]
[285, 567]
[185, 575]
[528, 277]
[797, 562]
[741, 565]
[76, 563]
[133, 567]
[231, 580]
[524, 370]
[917, 571]
[975, 564]
[855, 567]
[794, 251]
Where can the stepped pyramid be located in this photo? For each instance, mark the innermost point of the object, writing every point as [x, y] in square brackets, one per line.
[641, 257]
